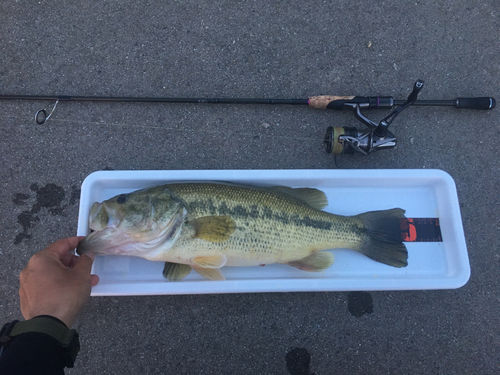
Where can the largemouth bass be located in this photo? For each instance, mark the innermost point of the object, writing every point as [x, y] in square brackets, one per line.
[205, 226]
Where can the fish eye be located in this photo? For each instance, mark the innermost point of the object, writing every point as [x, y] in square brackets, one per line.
[121, 198]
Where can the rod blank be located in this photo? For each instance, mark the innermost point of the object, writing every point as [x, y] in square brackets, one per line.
[154, 100]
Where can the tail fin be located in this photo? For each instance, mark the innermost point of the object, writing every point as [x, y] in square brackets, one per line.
[384, 242]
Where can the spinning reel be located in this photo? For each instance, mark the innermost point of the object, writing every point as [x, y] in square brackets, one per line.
[350, 140]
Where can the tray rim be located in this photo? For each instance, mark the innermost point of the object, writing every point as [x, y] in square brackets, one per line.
[283, 284]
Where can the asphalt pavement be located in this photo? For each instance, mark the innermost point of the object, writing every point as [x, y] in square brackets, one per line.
[253, 49]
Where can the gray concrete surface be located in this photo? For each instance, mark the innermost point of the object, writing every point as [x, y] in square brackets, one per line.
[252, 49]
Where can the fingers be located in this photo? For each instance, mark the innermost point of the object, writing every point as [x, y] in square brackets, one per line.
[94, 279]
[84, 263]
[61, 250]
[90, 255]
[68, 259]
[62, 246]
[73, 261]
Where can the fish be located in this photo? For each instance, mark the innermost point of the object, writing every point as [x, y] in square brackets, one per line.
[204, 226]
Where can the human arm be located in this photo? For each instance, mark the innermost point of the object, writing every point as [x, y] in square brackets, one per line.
[56, 284]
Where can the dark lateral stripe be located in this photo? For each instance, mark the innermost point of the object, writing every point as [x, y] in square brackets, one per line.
[256, 212]
[421, 230]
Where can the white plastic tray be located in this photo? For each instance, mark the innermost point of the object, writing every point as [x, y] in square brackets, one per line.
[422, 193]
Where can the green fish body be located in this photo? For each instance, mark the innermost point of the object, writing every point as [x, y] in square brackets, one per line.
[205, 226]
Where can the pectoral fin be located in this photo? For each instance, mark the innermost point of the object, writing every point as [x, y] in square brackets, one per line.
[209, 273]
[175, 271]
[317, 261]
[213, 228]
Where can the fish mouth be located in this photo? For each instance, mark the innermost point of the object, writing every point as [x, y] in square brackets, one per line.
[94, 210]
[103, 236]
[105, 241]
[111, 240]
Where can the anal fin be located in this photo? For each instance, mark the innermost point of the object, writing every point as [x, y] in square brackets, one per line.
[316, 262]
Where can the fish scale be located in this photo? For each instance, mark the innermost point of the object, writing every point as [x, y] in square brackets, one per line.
[270, 227]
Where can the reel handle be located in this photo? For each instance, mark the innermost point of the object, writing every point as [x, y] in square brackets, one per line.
[475, 103]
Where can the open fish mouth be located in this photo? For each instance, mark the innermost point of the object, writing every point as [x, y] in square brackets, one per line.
[112, 240]
[96, 209]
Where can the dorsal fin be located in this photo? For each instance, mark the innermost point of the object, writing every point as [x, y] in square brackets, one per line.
[314, 198]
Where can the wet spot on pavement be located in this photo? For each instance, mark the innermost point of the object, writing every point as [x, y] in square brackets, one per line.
[359, 303]
[49, 197]
[298, 361]
[20, 198]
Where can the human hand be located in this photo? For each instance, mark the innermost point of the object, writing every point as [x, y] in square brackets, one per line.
[57, 282]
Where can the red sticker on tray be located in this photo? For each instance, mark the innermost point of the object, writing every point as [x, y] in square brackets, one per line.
[421, 230]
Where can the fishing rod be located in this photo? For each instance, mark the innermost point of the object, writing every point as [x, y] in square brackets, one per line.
[338, 140]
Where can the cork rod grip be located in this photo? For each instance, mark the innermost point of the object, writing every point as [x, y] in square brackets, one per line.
[321, 102]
